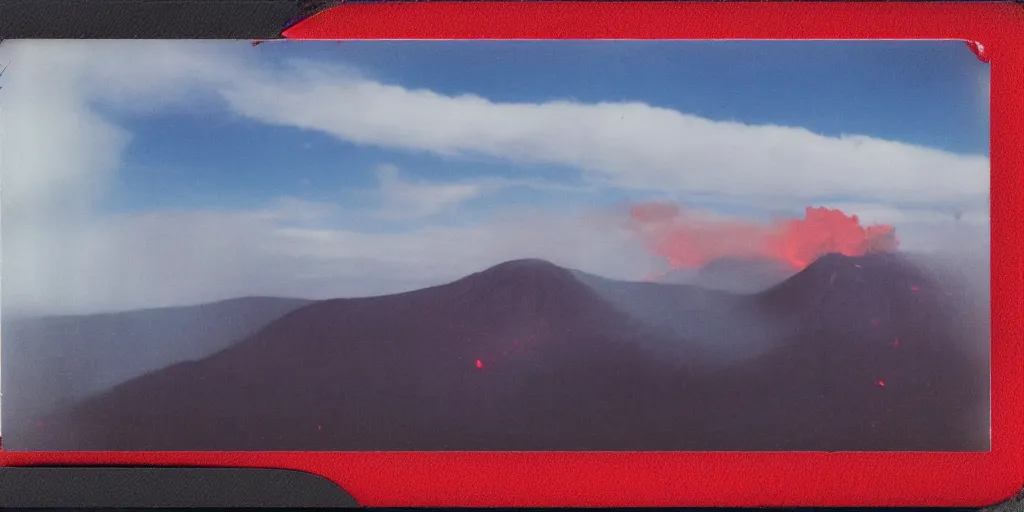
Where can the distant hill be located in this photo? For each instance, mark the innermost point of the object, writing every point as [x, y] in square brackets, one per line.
[530, 356]
[55, 361]
[735, 275]
[743, 275]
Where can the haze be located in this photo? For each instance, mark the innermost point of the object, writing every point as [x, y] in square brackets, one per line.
[151, 174]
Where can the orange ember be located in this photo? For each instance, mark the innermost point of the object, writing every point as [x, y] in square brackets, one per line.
[687, 239]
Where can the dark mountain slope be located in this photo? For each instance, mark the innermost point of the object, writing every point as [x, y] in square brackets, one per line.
[874, 362]
[868, 356]
[529, 356]
[364, 373]
[63, 359]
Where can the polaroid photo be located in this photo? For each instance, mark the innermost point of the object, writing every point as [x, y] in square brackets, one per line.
[409, 248]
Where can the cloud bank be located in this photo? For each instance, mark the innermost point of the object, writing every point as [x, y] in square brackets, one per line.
[61, 147]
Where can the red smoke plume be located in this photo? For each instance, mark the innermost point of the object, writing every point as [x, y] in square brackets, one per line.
[689, 239]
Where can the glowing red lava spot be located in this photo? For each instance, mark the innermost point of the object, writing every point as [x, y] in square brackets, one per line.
[479, 364]
[40, 424]
[881, 383]
[896, 342]
[915, 289]
[874, 322]
[515, 342]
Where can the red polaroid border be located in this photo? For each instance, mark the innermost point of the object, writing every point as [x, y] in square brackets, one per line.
[461, 479]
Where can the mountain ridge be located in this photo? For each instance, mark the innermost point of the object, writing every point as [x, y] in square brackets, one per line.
[86, 354]
[528, 355]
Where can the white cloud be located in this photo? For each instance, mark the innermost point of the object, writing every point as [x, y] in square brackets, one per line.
[404, 198]
[624, 144]
[950, 229]
[172, 258]
[290, 209]
[60, 150]
[56, 152]
[631, 145]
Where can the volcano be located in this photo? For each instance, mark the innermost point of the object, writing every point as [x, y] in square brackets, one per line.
[873, 358]
[527, 355]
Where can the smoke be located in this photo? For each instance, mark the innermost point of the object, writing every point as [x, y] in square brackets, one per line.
[687, 238]
[741, 253]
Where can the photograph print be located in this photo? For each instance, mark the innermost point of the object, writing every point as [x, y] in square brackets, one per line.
[494, 246]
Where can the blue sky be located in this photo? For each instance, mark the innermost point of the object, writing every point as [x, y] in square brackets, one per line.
[919, 93]
[144, 174]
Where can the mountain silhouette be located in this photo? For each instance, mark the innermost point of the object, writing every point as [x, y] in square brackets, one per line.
[872, 360]
[527, 355]
[64, 359]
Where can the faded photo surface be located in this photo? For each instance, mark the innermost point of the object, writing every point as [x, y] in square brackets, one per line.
[707, 246]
